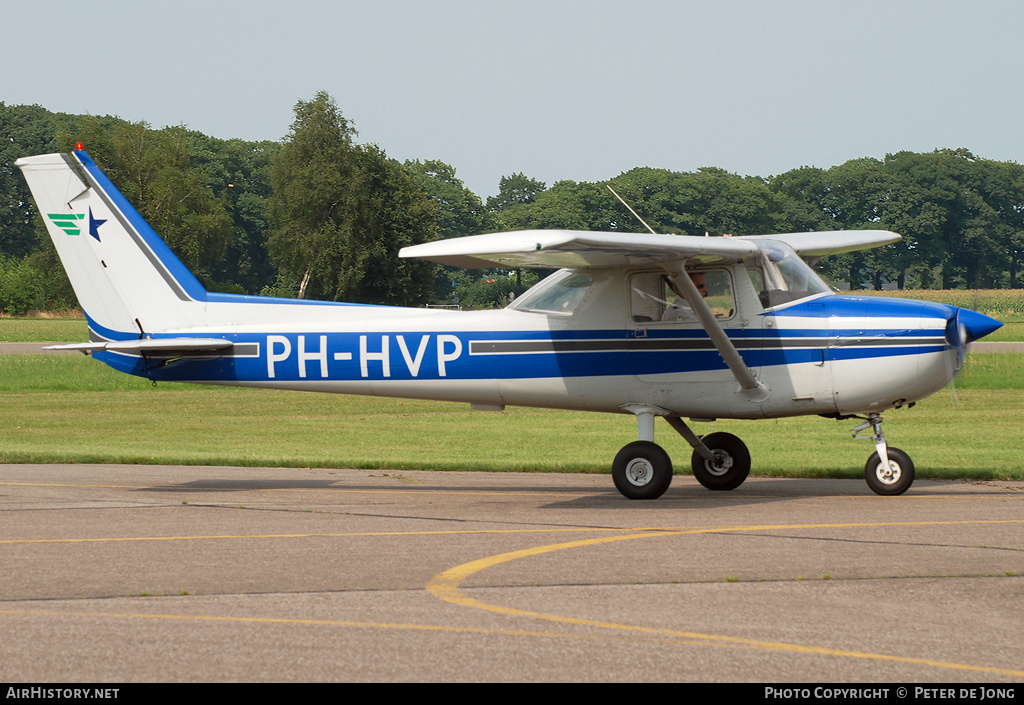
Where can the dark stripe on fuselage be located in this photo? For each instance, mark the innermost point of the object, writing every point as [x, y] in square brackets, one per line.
[523, 347]
[236, 350]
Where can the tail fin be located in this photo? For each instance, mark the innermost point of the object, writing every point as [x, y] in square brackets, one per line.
[127, 280]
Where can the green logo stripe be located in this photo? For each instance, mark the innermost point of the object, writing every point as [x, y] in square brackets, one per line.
[68, 222]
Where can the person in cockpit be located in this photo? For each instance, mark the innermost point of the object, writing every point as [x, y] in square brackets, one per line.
[679, 310]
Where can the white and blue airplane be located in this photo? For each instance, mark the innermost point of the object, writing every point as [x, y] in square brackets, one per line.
[651, 325]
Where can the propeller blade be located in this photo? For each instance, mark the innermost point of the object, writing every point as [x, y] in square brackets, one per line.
[956, 336]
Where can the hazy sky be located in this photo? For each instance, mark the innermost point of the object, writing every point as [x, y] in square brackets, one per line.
[560, 89]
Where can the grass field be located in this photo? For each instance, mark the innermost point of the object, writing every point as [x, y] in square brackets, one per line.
[43, 330]
[68, 408]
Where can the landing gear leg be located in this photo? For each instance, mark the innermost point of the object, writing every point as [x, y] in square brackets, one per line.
[642, 469]
[889, 471]
[720, 461]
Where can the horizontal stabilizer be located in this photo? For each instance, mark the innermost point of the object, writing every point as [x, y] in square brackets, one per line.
[158, 347]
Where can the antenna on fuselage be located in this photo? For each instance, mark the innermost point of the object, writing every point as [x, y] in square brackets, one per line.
[637, 215]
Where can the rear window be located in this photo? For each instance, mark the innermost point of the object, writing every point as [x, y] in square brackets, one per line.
[559, 293]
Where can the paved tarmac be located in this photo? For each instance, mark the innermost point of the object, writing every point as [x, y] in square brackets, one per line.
[158, 573]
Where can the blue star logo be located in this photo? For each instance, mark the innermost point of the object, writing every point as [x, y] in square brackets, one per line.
[94, 225]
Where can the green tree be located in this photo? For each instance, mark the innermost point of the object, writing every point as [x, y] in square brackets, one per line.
[512, 208]
[958, 213]
[153, 169]
[513, 190]
[709, 200]
[26, 130]
[341, 212]
[800, 198]
[858, 191]
[849, 196]
[494, 288]
[459, 211]
[19, 286]
[239, 172]
[314, 194]
[566, 205]
[392, 212]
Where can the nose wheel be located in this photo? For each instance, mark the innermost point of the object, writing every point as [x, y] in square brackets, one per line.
[889, 471]
[894, 479]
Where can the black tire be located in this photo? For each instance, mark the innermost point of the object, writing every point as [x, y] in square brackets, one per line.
[642, 470]
[896, 482]
[731, 466]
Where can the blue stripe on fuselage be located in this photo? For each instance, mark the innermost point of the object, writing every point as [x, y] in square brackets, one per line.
[290, 357]
[355, 356]
[103, 333]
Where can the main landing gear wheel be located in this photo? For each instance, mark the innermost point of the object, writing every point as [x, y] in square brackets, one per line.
[642, 470]
[897, 479]
[730, 467]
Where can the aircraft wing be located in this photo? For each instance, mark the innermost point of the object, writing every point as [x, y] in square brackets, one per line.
[556, 249]
[576, 249]
[834, 242]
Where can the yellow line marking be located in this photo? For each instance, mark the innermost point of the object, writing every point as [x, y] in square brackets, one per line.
[368, 625]
[274, 620]
[446, 586]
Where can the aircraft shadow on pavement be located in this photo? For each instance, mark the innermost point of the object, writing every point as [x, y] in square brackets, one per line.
[683, 490]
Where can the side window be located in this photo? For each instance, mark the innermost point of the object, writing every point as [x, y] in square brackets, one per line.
[757, 280]
[653, 297]
[647, 297]
[719, 293]
[561, 294]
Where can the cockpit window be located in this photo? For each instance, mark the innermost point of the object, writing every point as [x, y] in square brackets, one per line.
[653, 296]
[780, 276]
[559, 293]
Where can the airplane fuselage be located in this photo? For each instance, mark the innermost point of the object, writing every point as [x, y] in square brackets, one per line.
[820, 355]
[650, 325]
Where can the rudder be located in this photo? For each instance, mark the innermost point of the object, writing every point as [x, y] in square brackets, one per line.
[127, 280]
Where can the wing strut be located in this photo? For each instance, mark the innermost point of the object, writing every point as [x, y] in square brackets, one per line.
[751, 388]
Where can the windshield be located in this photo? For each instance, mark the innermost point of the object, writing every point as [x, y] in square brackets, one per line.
[781, 276]
[559, 293]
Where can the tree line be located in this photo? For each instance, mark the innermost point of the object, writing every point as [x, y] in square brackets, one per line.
[319, 215]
